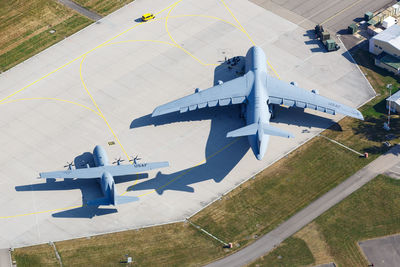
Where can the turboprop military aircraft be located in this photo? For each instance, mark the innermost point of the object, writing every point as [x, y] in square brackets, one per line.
[105, 172]
[257, 92]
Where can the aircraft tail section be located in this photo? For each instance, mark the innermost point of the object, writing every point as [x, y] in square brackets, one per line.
[271, 130]
[250, 129]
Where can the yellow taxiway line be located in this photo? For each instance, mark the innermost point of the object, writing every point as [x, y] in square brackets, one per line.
[99, 112]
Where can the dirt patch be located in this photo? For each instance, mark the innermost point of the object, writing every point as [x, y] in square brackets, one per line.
[316, 243]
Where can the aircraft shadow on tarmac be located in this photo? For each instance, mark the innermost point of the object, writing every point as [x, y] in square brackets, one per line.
[219, 161]
[90, 189]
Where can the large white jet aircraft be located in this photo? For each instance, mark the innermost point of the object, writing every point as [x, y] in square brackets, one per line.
[258, 92]
[105, 172]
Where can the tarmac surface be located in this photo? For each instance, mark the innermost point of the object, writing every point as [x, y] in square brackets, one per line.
[100, 86]
[382, 252]
[335, 15]
[268, 242]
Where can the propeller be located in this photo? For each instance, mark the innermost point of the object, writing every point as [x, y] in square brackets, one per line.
[118, 161]
[135, 159]
[69, 165]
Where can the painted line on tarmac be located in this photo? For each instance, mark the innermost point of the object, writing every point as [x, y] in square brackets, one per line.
[248, 35]
[340, 12]
[99, 110]
[53, 99]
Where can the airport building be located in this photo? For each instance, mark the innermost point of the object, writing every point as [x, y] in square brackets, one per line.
[394, 103]
[386, 47]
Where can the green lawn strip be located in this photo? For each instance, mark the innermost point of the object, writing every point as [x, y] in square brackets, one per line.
[41, 41]
[370, 212]
[20, 19]
[292, 252]
[103, 7]
[41, 255]
[175, 244]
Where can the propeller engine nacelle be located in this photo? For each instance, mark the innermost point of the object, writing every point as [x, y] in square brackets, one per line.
[271, 108]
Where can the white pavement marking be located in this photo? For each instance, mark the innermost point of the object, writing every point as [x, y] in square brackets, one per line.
[271, 240]
[340, 144]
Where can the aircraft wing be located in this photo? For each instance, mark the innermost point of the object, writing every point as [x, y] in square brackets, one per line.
[97, 172]
[283, 93]
[119, 170]
[84, 173]
[232, 92]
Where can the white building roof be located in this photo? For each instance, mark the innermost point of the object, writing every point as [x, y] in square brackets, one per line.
[394, 97]
[391, 35]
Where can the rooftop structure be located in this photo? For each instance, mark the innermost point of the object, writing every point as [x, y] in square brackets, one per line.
[394, 102]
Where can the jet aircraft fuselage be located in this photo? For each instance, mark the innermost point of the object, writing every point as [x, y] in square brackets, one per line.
[257, 110]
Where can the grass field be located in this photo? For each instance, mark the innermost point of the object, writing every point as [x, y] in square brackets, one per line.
[103, 7]
[291, 253]
[25, 25]
[42, 255]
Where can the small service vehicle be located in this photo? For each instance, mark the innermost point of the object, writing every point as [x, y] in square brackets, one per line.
[147, 17]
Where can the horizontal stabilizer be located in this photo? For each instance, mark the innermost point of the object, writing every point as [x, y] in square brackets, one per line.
[244, 131]
[271, 130]
[125, 199]
[99, 201]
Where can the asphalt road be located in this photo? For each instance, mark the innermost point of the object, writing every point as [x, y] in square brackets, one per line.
[80, 9]
[269, 241]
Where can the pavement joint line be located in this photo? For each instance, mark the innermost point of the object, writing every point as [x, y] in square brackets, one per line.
[173, 40]
[50, 98]
[340, 12]
[358, 67]
[340, 144]
[207, 233]
[248, 36]
[99, 110]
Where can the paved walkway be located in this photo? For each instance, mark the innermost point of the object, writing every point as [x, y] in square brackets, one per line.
[269, 241]
[80, 9]
[5, 258]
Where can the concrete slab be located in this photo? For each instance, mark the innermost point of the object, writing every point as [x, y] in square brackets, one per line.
[382, 252]
[336, 15]
[5, 258]
[49, 118]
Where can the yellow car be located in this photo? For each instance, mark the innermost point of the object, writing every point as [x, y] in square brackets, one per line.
[147, 17]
